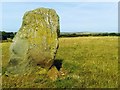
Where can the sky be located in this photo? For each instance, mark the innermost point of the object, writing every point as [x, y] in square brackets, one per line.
[59, 0]
[74, 17]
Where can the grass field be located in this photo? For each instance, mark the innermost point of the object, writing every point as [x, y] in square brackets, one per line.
[90, 62]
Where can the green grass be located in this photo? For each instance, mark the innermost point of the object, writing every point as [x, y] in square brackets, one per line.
[90, 62]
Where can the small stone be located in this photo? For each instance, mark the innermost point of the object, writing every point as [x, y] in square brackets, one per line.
[53, 73]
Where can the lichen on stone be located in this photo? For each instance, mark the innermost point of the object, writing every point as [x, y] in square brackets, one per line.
[36, 42]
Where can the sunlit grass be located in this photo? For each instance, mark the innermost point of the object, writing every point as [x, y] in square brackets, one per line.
[90, 62]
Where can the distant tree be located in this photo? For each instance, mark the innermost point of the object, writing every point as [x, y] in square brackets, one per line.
[6, 35]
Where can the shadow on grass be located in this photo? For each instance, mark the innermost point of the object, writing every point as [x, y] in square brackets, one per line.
[58, 63]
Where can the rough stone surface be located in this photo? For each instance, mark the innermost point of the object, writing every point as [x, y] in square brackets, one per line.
[36, 43]
[53, 73]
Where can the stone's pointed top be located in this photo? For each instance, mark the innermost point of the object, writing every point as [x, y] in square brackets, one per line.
[42, 10]
[36, 43]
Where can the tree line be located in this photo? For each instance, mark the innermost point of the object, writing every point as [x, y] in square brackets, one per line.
[10, 35]
[88, 34]
[6, 35]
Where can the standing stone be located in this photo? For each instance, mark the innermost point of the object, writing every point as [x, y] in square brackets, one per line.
[36, 43]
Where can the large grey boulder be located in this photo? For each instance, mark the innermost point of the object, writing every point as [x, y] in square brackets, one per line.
[36, 43]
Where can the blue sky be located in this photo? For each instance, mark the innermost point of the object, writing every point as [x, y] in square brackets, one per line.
[59, 0]
[74, 17]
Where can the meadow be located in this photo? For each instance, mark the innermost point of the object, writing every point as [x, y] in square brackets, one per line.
[89, 62]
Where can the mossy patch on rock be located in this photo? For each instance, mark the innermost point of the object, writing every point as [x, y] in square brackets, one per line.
[36, 43]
